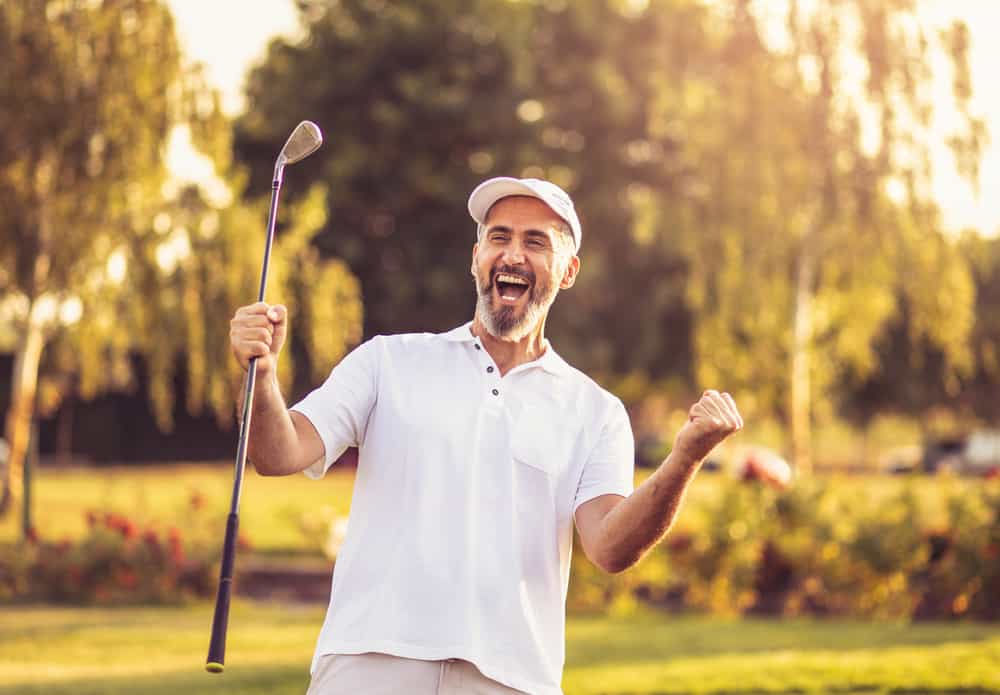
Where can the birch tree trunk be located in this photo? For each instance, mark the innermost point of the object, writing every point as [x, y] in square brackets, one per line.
[17, 428]
[800, 392]
[28, 355]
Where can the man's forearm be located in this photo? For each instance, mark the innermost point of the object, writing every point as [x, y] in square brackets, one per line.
[273, 439]
[639, 521]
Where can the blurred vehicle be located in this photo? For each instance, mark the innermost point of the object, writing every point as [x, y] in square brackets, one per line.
[982, 454]
[976, 454]
[901, 460]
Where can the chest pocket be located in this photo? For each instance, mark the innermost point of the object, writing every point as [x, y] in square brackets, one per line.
[540, 442]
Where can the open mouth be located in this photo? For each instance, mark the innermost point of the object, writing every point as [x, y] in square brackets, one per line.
[510, 287]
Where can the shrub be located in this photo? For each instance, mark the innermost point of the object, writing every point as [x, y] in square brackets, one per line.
[116, 561]
[821, 548]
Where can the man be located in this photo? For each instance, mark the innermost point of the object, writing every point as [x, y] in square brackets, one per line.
[479, 449]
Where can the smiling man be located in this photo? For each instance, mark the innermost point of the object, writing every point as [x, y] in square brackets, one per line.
[479, 449]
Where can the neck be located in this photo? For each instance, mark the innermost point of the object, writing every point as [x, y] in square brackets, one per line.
[510, 353]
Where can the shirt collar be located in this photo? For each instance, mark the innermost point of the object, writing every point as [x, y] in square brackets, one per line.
[462, 334]
[550, 361]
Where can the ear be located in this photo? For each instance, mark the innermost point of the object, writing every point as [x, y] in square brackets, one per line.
[569, 276]
[475, 250]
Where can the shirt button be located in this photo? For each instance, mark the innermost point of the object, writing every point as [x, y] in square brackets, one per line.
[489, 369]
[495, 392]
[478, 347]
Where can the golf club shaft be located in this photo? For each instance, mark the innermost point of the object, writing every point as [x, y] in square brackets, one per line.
[220, 621]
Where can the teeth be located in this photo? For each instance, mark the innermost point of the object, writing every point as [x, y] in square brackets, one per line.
[511, 279]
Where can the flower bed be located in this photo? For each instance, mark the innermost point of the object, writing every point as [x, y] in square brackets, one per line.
[116, 561]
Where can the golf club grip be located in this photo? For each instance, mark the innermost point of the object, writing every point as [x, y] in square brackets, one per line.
[220, 622]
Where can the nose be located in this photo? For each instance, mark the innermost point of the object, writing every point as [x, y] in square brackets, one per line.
[513, 253]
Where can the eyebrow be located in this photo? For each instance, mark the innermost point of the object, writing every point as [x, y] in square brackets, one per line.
[528, 232]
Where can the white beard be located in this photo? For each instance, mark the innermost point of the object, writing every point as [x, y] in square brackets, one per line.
[502, 323]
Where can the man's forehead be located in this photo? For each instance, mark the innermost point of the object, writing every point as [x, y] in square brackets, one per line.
[523, 210]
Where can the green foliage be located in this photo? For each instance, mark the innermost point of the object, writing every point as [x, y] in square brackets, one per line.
[803, 193]
[979, 392]
[709, 165]
[412, 97]
[87, 96]
[818, 549]
[106, 255]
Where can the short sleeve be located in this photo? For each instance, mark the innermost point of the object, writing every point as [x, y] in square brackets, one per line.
[610, 468]
[340, 408]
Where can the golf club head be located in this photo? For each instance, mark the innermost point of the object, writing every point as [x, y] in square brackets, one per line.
[304, 140]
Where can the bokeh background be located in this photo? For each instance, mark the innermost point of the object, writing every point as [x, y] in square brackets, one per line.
[794, 201]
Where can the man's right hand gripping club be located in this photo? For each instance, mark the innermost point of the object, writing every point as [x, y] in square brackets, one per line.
[281, 442]
[259, 331]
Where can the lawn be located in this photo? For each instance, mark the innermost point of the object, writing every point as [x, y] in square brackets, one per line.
[156, 651]
[271, 509]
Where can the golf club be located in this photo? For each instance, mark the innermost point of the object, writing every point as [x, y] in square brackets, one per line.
[304, 140]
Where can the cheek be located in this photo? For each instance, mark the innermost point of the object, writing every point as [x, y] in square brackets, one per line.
[481, 269]
[554, 270]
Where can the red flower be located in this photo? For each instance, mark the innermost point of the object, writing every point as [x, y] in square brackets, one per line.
[175, 545]
[127, 579]
[127, 529]
[150, 538]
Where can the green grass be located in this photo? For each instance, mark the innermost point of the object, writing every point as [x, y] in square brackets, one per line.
[271, 509]
[156, 651]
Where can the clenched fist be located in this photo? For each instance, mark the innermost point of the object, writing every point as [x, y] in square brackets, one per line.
[713, 418]
[258, 330]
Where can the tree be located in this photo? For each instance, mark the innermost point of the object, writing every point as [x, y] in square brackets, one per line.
[112, 258]
[597, 76]
[85, 101]
[422, 100]
[417, 100]
[758, 216]
[819, 185]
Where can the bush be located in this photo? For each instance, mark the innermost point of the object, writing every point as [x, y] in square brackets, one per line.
[116, 562]
[822, 548]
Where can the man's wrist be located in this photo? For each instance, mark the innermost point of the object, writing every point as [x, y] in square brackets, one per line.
[681, 460]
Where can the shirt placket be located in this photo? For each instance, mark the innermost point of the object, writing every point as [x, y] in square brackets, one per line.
[494, 389]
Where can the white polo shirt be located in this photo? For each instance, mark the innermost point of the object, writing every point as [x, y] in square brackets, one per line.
[461, 524]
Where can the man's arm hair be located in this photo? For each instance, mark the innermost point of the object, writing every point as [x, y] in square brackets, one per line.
[281, 441]
[616, 532]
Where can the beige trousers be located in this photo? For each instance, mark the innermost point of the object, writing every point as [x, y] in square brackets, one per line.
[383, 674]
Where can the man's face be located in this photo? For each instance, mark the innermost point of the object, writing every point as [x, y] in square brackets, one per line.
[519, 265]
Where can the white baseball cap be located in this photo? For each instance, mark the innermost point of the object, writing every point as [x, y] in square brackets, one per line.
[489, 192]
